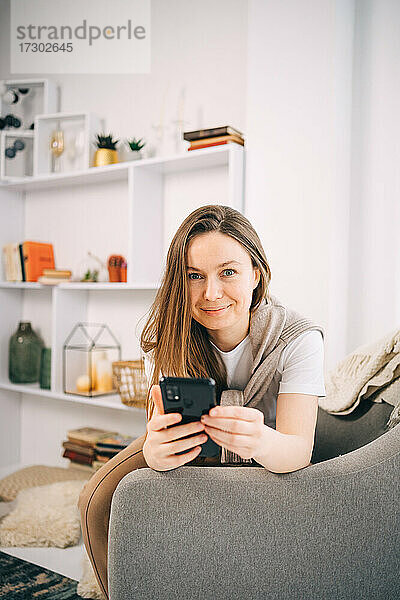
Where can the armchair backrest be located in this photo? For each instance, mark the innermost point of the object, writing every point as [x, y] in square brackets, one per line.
[340, 434]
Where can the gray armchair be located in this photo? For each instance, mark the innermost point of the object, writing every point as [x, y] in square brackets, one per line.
[328, 531]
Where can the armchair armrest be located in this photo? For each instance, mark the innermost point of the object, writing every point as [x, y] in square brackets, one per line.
[330, 530]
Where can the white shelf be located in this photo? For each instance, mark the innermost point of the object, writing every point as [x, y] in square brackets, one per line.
[111, 401]
[32, 285]
[197, 159]
[151, 195]
[77, 285]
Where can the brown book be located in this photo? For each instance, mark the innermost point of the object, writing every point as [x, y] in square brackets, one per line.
[213, 132]
[80, 458]
[88, 436]
[221, 138]
[79, 449]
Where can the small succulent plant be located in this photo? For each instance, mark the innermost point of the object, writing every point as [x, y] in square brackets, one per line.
[90, 275]
[106, 141]
[136, 145]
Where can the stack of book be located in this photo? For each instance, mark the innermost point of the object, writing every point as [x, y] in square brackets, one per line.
[89, 448]
[108, 447]
[80, 447]
[205, 138]
[54, 276]
[28, 260]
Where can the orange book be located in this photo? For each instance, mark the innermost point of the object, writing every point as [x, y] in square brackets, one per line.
[208, 145]
[37, 256]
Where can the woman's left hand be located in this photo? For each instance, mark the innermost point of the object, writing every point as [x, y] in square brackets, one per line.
[239, 429]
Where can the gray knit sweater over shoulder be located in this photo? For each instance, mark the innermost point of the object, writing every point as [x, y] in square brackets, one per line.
[272, 327]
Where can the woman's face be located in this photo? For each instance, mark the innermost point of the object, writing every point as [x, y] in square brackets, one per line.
[214, 285]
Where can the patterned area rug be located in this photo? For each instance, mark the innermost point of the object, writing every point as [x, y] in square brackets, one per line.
[22, 580]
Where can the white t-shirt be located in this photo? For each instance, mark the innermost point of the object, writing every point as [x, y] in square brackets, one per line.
[300, 369]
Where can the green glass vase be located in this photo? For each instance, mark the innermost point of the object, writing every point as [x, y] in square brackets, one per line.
[25, 352]
[45, 369]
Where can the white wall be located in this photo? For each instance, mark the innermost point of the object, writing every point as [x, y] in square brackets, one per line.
[198, 49]
[322, 155]
[374, 301]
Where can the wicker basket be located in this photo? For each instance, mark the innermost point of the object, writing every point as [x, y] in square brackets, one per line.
[130, 380]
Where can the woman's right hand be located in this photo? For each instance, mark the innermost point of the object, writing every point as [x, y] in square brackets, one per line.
[161, 444]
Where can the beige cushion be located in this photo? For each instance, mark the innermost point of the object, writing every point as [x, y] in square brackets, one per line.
[37, 475]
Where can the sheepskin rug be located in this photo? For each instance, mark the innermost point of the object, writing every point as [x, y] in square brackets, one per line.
[88, 586]
[45, 515]
[48, 515]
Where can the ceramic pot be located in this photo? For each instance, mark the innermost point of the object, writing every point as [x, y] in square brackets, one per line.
[104, 156]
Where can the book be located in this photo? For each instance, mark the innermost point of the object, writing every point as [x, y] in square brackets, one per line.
[35, 256]
[79, 449]
[116, 442]
[22, 262]
[102, 459]
[109, 453]
[79, 458]
[57, 273]
[80, 466]
[213, 132]
[220, 138]
[12, 262]
[52, 280]
[209, 145]
[88, 436]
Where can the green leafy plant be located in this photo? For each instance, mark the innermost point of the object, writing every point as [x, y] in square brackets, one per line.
[136, 145]
[90, 275]
[106, 141]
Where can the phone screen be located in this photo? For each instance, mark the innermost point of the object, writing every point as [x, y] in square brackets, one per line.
[192, 397]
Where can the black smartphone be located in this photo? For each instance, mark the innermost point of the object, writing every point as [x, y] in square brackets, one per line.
[192, 397]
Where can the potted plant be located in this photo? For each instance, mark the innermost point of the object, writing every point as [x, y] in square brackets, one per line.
[135, 147]
[106, 153]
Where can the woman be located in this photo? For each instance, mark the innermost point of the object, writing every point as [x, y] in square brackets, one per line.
[266, 360]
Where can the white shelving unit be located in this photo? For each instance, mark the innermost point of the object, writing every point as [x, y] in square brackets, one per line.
[22, 164]
[42, 97]
[73, 126]
[150, 197]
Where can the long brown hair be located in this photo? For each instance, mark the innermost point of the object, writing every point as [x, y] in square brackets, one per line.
[181, 344]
